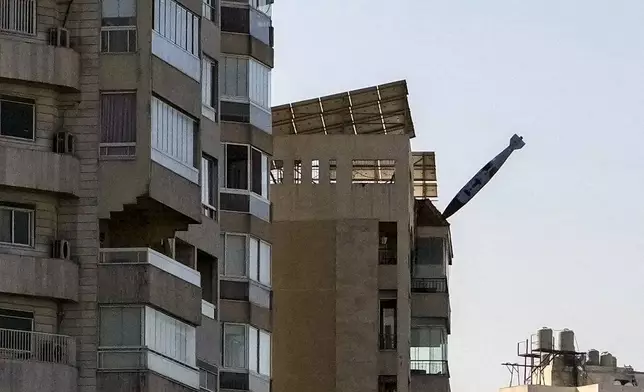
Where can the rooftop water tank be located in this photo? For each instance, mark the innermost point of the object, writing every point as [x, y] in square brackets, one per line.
[606, 359]
[544, 339]
[593, 357]
[566, 340]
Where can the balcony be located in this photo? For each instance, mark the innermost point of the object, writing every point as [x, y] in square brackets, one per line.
[247, 20]
[429, 376]
[41, 170]
[37, 362]
[33, 61]
[430, 298]
[388, 341]
[142, 275]
[429, 285]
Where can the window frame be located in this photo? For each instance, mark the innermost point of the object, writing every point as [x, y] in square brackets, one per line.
[31, 211]
[119, 26]
[248, 329]
[105, 146]
[21, 101]
[176, 8]
[142, 344]
[223, 345]
[248, 239]
[210, 88]
[264, 172]
[211, 210]
[212, 7]
[255, 273]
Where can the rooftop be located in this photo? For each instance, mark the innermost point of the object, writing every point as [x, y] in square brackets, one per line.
[381, 109]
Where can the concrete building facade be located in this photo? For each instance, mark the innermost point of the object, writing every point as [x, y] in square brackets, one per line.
[117, 119]
[360, 264]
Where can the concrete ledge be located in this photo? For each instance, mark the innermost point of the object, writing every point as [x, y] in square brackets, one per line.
[244, 44]
[429, 382]
[41, 170]
[176, 192]
[243, 312]
[147, 284]
[28, 376]
[39, 63]
[430, 305]
[137, 381]
[39, 277]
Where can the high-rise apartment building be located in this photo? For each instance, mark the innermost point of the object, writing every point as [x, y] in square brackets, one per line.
[121, 123]
[360, 253]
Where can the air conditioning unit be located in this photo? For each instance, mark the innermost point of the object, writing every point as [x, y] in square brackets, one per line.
[59, 36]
[61, 250]
[64, 143]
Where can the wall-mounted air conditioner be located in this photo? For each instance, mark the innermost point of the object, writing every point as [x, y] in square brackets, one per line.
[64, 143]
[59, 36]
[61, 250]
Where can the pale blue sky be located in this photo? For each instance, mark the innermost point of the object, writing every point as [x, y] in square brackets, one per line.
[556, 238]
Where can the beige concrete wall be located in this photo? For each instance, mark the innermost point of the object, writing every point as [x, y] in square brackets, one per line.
[44, 310]
[31, 376]
[39, 277]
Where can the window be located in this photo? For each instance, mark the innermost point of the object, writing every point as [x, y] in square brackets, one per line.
[387, 384]
[260, 261]
[235, 346]
[18, 16]
[209, 185]
[211, 10]
[388, 325]
[207, 380]
[428, 349]
[235, 20]
[259, 173]
[173, 137]
[235, 255]
[177, 24]
[236, 166]
[429, 251]
[259, 82]
[234, 84]
[260, 26]
[118, 124]
[121, 327]
[210, 88]
[170, 337]
[277, 172]
[16, 226]
[118, 26]
[17, 117]
[246, 347]
[387, 243]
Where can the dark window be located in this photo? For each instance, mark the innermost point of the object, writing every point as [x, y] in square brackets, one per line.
[235, 112]
[236, 166]
[234, 290]
[256, 171]
[235, 20]
[214, 85]
[387, 384]
[209, 185]
[388, 324]
[429, 250]
[15, 340]
[387, 246]
[16, 225]
[17, 117]
[207, 267]
[118, 124]
[234, 202]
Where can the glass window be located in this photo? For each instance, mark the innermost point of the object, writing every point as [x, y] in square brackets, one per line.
[210, 84]
[178, 25]
[264, 353]
[207, 380]
[236, 166]
[235, 255]
[388, 324]
[118, 124]
[118, 26]
[210, 10]
[120, 327]
[234, 84]
[209, 185]
[259, 82]
[253, 349]
[277, 171]
[16, 226]
[428, 349]
[254, 259]
[17, 117]
[235, 346]
[235, 20]
[260, 261]
[173, 133]
[429, 250]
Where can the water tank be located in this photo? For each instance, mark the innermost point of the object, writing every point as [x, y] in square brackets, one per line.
[606, 359]
[544, 339]
[566, 340]
[593, 357]
[614, 362]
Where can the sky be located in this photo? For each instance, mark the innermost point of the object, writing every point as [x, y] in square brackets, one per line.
[556, 238]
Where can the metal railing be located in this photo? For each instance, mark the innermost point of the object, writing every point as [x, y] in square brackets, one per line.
[18, 16]
[37, 346]
[387, 256]
[429, 285]
[429, 367]
[149, 256]
[388, 341]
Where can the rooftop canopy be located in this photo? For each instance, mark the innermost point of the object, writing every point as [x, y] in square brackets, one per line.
[380, 109]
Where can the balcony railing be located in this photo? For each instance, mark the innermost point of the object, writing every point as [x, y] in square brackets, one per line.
[387, 256]
[387, 341]
[18, 16]
[429, 285]
[152, 257]
[37, 346]
[439, 368]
